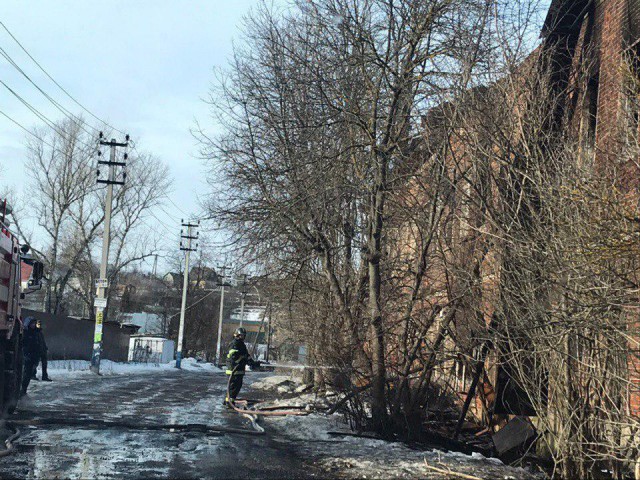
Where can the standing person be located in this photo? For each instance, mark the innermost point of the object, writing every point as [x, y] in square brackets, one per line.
[43, 353]
[31, 351]
[237, 359]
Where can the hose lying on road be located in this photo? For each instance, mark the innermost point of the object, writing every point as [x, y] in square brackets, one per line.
[254, 422]
[9, 441]
[241, 406]
[100, 424]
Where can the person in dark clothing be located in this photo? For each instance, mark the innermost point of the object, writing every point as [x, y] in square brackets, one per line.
[43, 355]
[31, 350]
[237, 359]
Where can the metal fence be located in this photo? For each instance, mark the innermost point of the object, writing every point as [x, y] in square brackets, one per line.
[147, 350]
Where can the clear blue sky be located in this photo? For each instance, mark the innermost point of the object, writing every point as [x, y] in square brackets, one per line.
[142, 65]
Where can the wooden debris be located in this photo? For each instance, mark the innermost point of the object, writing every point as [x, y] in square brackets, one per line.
[448, 471]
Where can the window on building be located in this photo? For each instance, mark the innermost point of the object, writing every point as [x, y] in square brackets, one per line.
[591, 112]
[632, 97]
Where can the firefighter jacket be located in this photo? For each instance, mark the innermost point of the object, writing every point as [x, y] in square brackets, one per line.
[31, 344]
[41, 342]
[237, 358]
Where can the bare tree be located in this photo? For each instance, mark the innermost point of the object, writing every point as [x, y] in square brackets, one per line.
[68, 205]
[323, 113]
[414, 180]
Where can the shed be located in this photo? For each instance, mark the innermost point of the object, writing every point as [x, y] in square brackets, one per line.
[150, 349]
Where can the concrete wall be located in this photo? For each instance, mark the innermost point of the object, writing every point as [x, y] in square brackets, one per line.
[72, 338]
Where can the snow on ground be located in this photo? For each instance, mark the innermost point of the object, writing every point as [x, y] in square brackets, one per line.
[60, 368]
[338, 456]
[360, 457]
[357, 457]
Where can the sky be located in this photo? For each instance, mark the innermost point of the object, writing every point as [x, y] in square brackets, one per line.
[143, 66]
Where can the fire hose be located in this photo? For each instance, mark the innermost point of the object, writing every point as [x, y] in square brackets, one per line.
[9, 441]
[242, 406]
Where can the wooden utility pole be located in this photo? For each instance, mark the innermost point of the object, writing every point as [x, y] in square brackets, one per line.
[266, 357]
[219, 340]
[102, 284]
[185, 285]
[242, 298]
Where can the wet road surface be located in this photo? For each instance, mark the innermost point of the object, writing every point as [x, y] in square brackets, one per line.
[79, 444]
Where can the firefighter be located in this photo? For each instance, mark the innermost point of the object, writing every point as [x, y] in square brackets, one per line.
[31, 350]
[43, 354]
[237, 359]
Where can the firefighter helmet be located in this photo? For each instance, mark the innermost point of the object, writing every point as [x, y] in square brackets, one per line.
[240, 332]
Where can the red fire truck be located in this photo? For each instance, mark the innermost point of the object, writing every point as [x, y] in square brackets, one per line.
[11, 293]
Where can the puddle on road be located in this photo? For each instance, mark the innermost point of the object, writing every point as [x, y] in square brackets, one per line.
[63, 451]
[67, 453]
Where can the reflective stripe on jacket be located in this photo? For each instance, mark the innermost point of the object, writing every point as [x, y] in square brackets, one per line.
[237, 357]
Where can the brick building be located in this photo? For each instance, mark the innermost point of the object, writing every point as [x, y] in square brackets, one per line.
[594, 48]
[597, 46]
[598, 57]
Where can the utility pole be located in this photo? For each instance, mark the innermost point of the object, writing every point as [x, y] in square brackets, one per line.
[242, 297]
[102, 283]
[266, 357]
[185, 286]
[154, 272]
[224, 268]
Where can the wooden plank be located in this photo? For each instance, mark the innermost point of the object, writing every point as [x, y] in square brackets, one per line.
[514, 435]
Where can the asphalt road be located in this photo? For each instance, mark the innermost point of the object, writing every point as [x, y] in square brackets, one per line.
[67, 431]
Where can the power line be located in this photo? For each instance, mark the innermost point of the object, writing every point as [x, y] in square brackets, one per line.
[33, 110]
[54, 148]
[171, 216]
[63, 110]
[41, 115]
[176, 218]
[173, 203]
[195, 303]
[25, 129]
[163, 223]
[56, 83]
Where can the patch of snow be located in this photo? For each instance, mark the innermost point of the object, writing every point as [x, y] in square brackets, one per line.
[272, 382]
[312, 400]
[63, 368]
[302, 388]
[362, 457]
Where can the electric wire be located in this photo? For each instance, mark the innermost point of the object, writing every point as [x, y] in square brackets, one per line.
[56, 104]
[195, 303]
[44, 142]
[180, 209]
[25, 129]
[33, 110]
[171, 216]
[56, 83]
[63, 110]
[42, 116]
[18, 124]
[168, 227]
